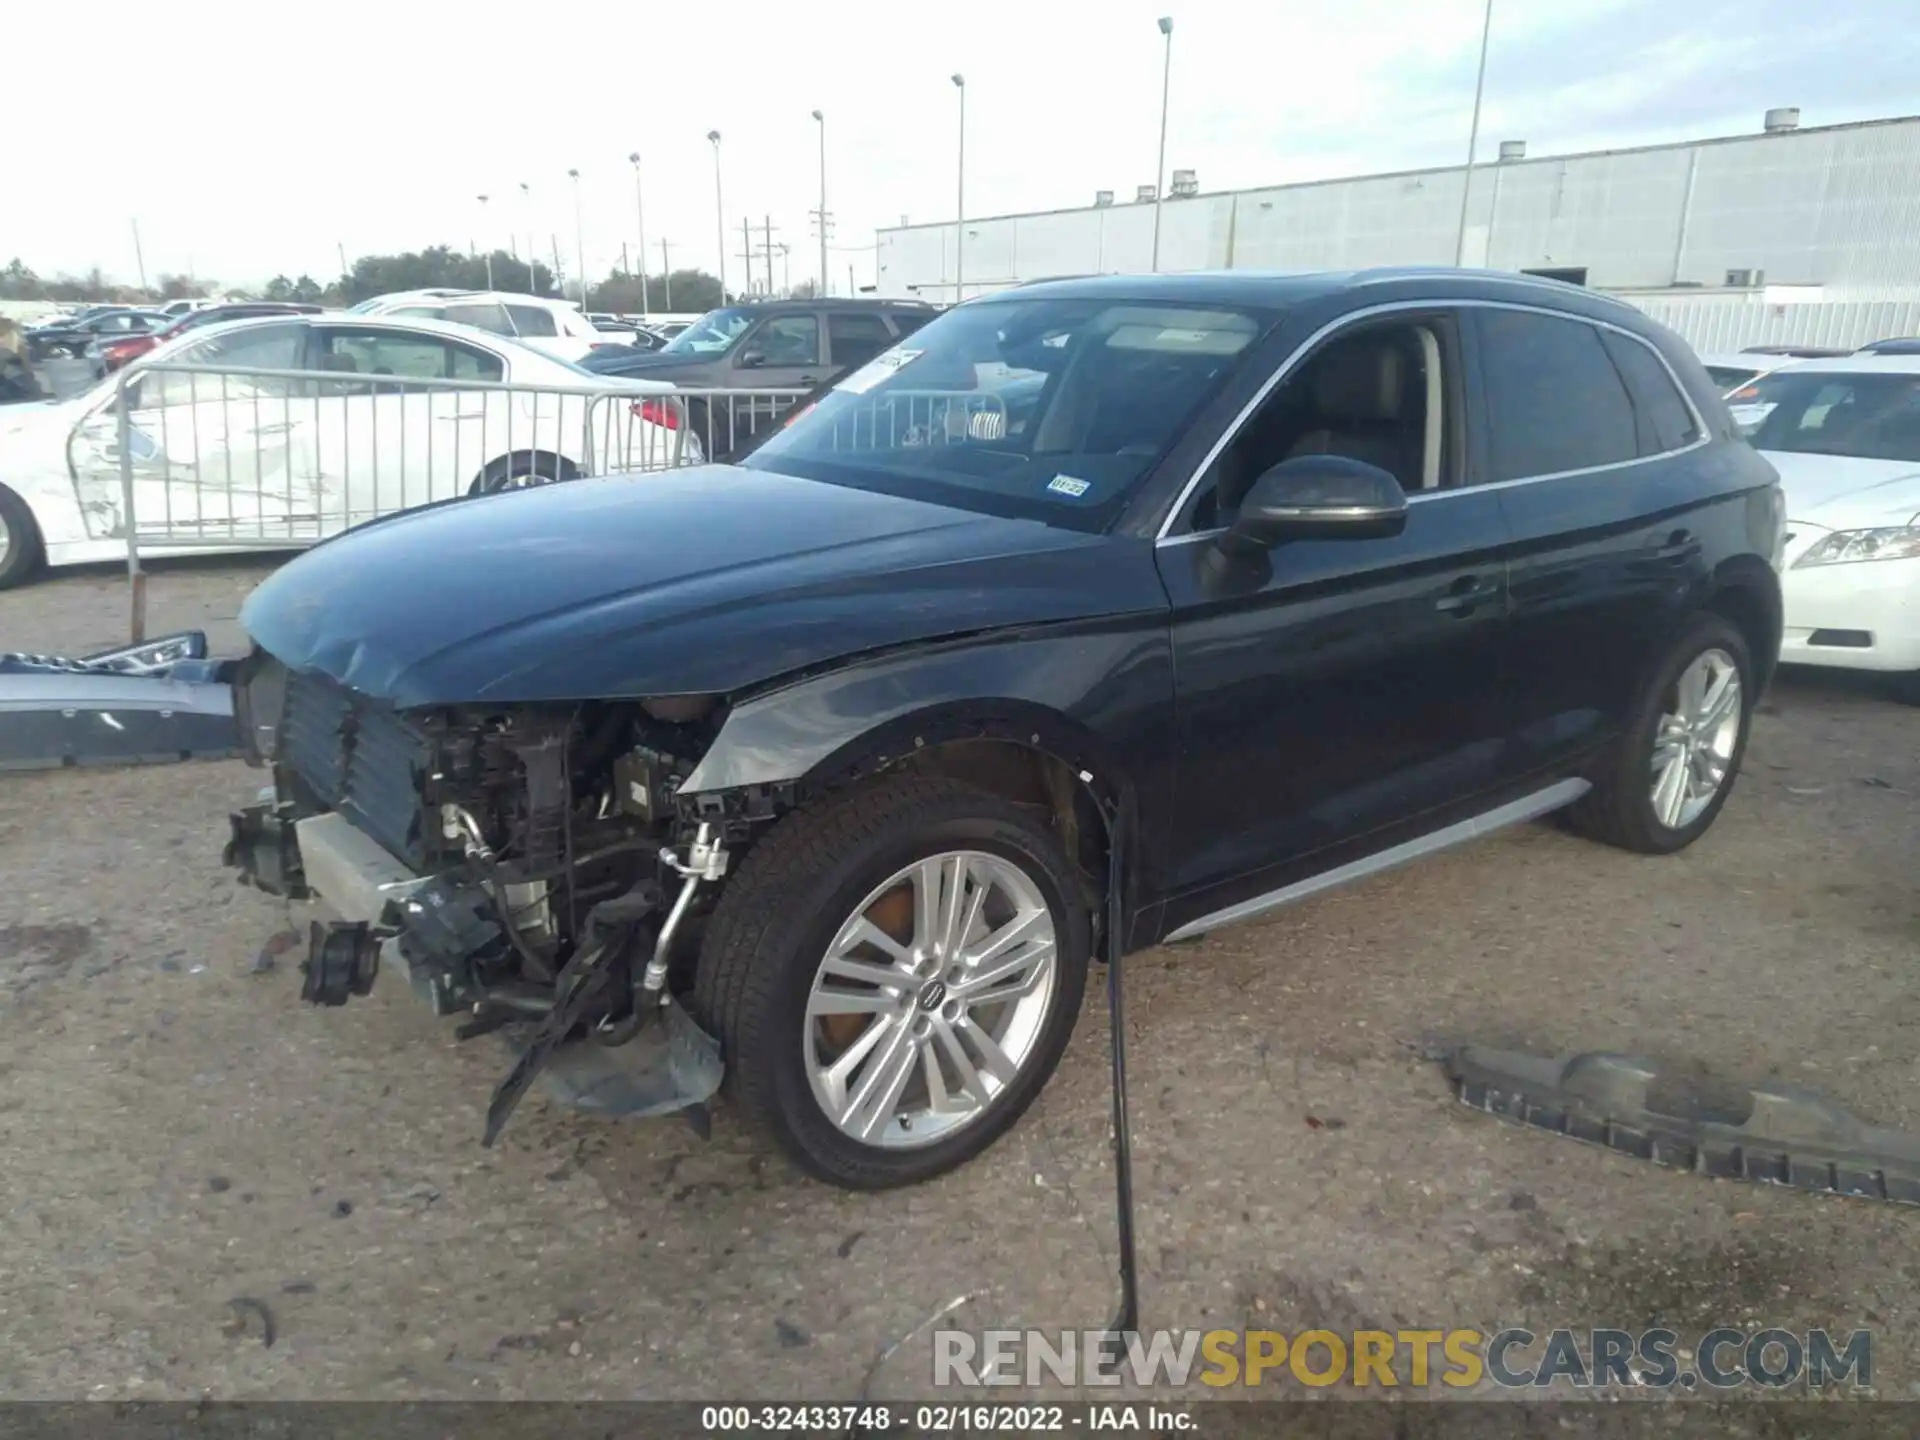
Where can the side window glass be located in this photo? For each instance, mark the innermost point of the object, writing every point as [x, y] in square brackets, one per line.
[530, 320]
[856, 339]
[1555, 400]
[908, 321]
[786, 340]
[1376, 394]
[268, 347]
[481, 317]
[465, 364]
[1666, 419]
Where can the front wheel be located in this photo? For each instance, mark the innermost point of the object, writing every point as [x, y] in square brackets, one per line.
[894, 976]
[1665, 782]
[21, 548]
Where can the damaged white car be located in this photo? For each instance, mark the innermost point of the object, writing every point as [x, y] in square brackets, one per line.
[269, 434]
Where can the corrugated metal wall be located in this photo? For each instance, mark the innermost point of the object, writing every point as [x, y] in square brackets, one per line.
[1838, 206]
[1723, 324]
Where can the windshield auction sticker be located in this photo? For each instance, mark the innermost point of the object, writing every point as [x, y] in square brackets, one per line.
[880, 368]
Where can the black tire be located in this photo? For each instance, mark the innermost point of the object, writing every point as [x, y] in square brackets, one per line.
[522, 471]
[25, 552]
[777, 917]
[1619, 809]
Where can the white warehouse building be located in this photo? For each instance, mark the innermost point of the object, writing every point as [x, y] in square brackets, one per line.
[1788, 235]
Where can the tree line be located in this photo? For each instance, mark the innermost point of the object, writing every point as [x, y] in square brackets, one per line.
[436, 267]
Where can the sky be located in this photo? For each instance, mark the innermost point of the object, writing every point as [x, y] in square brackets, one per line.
[249, 139]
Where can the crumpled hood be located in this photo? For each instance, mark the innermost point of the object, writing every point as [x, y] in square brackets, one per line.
[1842, 492]
[692, 581]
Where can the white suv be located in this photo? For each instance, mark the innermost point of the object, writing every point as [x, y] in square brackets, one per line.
[554, 326]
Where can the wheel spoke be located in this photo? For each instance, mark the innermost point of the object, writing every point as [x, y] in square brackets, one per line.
[880, 1085]
[938, 1101]
[953, 903]
[1722, 700]
[963, 1066]
[992, 1057]
[1031, 963]
[1691, 687]
[1665, 753]
[1671, 793]
[862, 931]
[1007, 936]
[841, 1070]
[845, 967]
[851, 1002]
[926, 903]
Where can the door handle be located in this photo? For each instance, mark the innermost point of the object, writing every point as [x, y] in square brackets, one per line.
[1680, 545]
[1465, 595]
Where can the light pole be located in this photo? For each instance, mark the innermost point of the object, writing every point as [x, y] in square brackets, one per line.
[484, 231]
[960, 207]
[1473, 139]
[640, 219]
[719, 214]
[822, 119]
[1160, 166]
[526, 195]
[579, 242]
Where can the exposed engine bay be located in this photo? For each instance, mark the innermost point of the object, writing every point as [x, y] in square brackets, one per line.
[549, 880]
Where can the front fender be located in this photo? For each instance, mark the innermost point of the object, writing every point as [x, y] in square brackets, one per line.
[1098, 694]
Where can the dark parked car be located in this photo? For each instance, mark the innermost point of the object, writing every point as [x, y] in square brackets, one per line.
[768, 345]
[72, 337]
[1102, 613]
[1903, 345]
[110, 355]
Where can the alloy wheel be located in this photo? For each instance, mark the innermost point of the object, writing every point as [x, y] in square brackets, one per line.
[931, 999]
[1695, 738]
[6, 541]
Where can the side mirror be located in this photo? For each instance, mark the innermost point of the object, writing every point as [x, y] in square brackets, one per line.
[1318, 497]
[752, 359]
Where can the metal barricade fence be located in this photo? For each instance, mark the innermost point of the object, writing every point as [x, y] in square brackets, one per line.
[206, 458]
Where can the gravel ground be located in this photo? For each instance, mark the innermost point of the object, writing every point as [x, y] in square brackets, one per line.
[177, 1131]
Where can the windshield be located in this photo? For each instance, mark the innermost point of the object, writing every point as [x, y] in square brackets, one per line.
[1728, 376]
[1872, 417]
[1047, 409]
[712, 334]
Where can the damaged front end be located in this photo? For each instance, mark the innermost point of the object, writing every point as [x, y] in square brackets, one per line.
[526, 866]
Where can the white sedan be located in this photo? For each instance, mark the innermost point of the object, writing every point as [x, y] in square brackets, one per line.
[388, 414]
[1845, 437]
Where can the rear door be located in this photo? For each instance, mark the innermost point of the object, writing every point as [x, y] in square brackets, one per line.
[379, 444]
[1589, 439]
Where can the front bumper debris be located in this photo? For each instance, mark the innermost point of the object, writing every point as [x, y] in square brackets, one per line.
[393, 920]
[1775, 1134]
[147, 704]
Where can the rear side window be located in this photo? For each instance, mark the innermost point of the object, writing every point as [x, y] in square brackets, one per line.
[1555, 400]
[482, 317]
[532, 320]
[857, 338]
[908, 321]
[1666, 422]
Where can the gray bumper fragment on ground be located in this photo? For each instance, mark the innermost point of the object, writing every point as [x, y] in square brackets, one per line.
[1776, 1134]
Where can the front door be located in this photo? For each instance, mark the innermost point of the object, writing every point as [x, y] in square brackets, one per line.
[1338, 687]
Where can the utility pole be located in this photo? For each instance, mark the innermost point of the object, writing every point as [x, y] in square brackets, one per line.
[341, 247]
[719, 213]
[666, 272]
[786, 270]
[579, 241]
[483, 228]
[769, 235]
[821, 216]
[1160, 166]
[559, 270]
[746, 249]
[139, 260]
[640, 220]
[960, 203]
[1473, 140]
